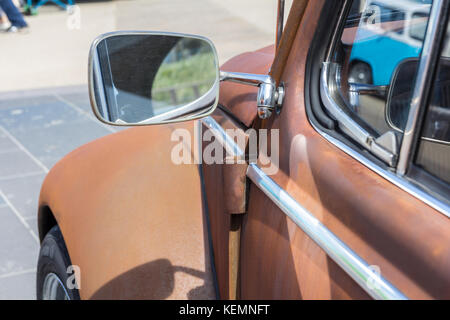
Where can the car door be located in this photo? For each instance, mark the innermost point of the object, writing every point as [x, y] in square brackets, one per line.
[346, 215]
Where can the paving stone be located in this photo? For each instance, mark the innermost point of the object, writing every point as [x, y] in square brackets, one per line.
[18, 249]
[18, 287]
[23, 193]
[50, 130]
[32, 222]
[6, 144]
[17, 163]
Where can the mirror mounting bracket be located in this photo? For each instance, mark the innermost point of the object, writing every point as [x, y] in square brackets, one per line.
[270, 98]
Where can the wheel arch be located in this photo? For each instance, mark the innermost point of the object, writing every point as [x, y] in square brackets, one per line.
[125, 221]
[46, 220]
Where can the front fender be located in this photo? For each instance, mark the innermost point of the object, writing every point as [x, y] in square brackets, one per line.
[132, 220]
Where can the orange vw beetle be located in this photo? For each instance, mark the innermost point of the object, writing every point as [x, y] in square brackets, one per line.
[317, 168]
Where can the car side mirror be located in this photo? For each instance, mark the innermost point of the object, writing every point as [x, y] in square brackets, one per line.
[400, 93]
[141, 78]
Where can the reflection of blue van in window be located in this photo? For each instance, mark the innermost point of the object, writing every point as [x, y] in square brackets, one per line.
[395, 31]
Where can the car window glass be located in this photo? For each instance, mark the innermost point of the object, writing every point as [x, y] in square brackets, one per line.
[434, 146]
[418, 25]
[378, 38]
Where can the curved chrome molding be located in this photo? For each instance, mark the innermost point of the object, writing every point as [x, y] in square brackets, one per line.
[375, 285]
[355, 130]
[348, 124]
[393, 178]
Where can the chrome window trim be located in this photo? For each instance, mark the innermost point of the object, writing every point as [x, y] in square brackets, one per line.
[420, 90]
[447, 143]
[422, 137]
[326, 90]
[397, 180]
[350, 126]
[359, 270]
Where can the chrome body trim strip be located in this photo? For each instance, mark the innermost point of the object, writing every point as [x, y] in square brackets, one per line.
[375, 285]
[336, 249]
[425, 65]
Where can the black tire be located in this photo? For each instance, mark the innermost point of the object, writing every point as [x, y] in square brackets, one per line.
[54, 259]
[360, 72]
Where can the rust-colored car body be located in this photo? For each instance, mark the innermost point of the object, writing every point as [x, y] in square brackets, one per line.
[141, 227]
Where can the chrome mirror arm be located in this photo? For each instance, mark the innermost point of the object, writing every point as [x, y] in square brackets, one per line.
[269, 97]
[355, 90]
[246, 78]
[372, 89]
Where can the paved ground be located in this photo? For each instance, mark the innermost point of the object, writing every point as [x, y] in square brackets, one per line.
[35, 132]
[44, 108]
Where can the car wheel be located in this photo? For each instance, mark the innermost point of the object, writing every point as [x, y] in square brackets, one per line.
[360, 72]
[52, 276]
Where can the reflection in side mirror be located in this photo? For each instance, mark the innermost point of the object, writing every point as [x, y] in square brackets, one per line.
[400, 93]
[141, 78]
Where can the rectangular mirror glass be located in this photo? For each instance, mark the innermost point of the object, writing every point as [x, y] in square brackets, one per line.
[150, 78]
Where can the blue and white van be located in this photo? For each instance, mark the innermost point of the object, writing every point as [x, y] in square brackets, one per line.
[395, 31]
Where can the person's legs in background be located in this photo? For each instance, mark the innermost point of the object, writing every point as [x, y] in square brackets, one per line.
[4, 23]
[14, 16]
